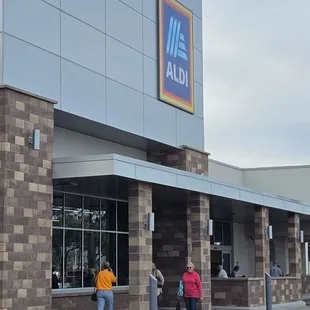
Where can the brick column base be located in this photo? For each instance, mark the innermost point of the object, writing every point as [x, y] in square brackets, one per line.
[26, 201]
[294, 249]
[200, 243]
[261, 222]
[140, 245]
[187, 159]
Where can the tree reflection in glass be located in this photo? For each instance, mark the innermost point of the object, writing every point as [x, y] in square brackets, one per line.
[91, 213]
[58, 202]
[108, 214]
[73, 211]
[57, 256]
[73, 259]
[91, 257]
[108, 249]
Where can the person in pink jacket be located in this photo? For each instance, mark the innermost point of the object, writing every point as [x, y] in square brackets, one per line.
[192, 287]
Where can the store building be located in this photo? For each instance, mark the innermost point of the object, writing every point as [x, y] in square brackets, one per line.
[102, 126]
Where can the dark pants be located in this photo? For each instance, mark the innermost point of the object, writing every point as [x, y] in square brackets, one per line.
[190, 303]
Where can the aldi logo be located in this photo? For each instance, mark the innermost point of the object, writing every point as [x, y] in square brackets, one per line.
[176, 81]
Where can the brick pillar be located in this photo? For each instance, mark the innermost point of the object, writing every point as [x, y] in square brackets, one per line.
[140, 245]
[187, 159]
[26, 201]
[196, 242]
[200, 243]
[294, 250]
[261, 222]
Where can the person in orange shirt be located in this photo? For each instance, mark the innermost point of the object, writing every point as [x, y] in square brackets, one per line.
[104, 281]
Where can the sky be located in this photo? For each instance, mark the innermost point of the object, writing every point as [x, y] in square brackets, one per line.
[257, 81]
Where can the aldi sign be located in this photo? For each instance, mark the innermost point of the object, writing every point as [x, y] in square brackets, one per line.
[176, 80]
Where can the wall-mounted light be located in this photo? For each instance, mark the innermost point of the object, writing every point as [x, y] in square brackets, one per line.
[150, 221]
[210, 227]
[301, 236]
[269, 232]
[34, 140]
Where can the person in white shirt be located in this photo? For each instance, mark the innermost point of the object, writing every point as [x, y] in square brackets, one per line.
[222, 273]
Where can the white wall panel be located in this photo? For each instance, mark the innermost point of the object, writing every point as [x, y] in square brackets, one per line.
[197, 23]
[124, 64]
[198, 67]
[198, 99]
[74, 81]
[33, 21]
[91, 12]
[150, 85]
[125, 107]
[124, 24]
[55, 3]
[194, 6]
[33, 69]
[190, 130]
[150, 9]
[149, 38]
[243, 248]
[82, 44]
[1, 15]
[71, 144]
[135, 4]
[159, 121]
[225, 173]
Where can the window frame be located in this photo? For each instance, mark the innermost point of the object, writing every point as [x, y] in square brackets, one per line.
[63, 228]
[222, 233]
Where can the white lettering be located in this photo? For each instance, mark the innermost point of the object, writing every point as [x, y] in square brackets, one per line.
[177, 74]
[175, 78]
[169, 73]
[182, 76]
[186, 78]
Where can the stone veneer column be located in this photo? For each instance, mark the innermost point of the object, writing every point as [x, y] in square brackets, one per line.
[187, 159]
[261, 222]
[200, 243]
[26, 201]
[197, 212]
[294, 249]
[140, 245]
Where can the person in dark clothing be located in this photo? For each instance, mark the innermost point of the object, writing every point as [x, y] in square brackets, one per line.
[234, 274]
[54, 279]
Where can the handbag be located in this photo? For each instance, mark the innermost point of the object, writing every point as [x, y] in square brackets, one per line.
[180, 290]
[94, 294]
[159, 283]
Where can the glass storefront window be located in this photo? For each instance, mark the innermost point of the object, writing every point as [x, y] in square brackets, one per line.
[108, 249]
[73, 259]
[108, 214]
[100, 186]
[73, 211]
[91, 213]
[58, 203]
[222, 233]
[122, 188]
[57, 264]
[227, 233]
[218, 234]
[91, 257]
[87, 231]
[123, 259]
[122, 216]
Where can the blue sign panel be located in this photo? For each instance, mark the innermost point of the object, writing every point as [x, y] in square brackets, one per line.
[176, 80]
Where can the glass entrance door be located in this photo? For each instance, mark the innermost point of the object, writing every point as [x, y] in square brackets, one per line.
[226, 262]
